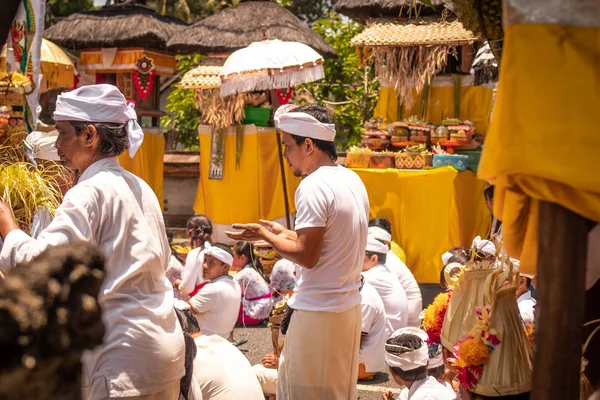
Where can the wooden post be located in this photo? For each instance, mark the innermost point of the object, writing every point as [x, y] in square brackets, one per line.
[562, 251]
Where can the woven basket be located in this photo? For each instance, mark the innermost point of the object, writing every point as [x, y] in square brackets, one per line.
[267, 265]
[357, 160]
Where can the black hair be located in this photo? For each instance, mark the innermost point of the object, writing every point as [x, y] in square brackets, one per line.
[189, 323]
[436, 372]
[460, 255]
[243, 248]
[488, 193]
[201, 222]
[521, 396]
[382, 223]
[381, 258]
[322, 115]
[113, 137]
[409, 342]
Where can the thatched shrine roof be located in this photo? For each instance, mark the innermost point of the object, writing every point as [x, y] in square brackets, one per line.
[396, 33]
[363, 10]
[236, 27]
[127, 25]
[202, 77]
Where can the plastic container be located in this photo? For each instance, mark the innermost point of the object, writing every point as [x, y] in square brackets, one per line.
[258, 116]
[474, 157]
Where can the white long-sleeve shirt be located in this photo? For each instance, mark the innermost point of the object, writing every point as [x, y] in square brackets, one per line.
[143, 349]
[410, 286]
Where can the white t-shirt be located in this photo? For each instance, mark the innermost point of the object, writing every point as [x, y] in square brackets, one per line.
[334, 198]
[372, 346]
[192, 274]
[393, 296]
[217, 305]
[222, 372]
[427, 389]
[410, 286]
[526, 305]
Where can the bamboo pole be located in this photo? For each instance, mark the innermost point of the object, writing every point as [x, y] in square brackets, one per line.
[562, 251]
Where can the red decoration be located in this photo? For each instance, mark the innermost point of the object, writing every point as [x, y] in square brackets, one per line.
[143, 91]
[284, 99]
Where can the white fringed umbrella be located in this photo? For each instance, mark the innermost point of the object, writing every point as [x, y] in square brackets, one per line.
[270, 64]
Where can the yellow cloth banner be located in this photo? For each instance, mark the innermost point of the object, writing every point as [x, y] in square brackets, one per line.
[475, 105]
[252, 192]
[430, 211]
[543, 140]
[148, 163]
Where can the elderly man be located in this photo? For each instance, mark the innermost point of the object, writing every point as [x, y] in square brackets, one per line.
[142, 356]
[320, 356]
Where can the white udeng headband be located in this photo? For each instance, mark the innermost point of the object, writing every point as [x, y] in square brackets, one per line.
[218, 253]
[41, 145]
[446, 257]
[100, 103]
[302, 124]
[409, 360]
[380, 234]
[375, 246]
[486, 246]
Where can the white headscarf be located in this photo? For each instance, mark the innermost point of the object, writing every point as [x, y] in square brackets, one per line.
[375, 246]
[218, 253]
[41, 145]
[380, 234]
[411, 359]
[302, 124]
[100, 103]
[486, 246]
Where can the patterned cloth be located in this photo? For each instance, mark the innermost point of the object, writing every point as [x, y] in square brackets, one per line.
[175, 272]
[257, 302]
[282, 276]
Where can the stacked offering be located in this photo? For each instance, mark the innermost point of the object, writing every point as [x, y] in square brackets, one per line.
[376, 136]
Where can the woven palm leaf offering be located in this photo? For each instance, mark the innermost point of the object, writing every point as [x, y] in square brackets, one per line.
[27, 188]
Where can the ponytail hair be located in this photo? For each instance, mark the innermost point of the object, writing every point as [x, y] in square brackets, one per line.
[243, 248]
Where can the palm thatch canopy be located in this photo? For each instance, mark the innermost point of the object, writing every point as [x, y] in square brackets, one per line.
[120, 25]
[236, 27]
[362, 10]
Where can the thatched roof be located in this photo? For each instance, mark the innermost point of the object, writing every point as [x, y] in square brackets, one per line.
[423, 32]
[362, 10]
[202, 77]
[236, 27]
[128, 25]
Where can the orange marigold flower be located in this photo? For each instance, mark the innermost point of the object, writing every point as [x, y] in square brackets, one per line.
[473, 352]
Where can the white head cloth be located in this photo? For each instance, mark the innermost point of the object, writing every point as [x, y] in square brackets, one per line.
[375, 246]
[100, 103]
[219, 254]
[516, 264]
[446, 257]
[411, 359]
[380, 234]
[302, 124]
[41, 145]
[486, 246]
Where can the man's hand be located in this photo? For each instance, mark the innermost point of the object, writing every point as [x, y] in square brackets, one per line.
[249, 232]
[177, 283]
[273, 226]
[388, 396]
[270, 361]
[7, 220]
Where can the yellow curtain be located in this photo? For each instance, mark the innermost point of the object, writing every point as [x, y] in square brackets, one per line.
[252, 192]
[543, 140]
[431, 211]
[148, 163]
[126, 59]
[475, 105]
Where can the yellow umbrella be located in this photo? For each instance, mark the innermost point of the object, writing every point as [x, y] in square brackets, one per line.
[56, 66]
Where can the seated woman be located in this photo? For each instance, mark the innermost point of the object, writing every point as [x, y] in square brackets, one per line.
[257, 301]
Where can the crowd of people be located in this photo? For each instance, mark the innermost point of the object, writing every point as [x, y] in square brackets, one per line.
[352, 306]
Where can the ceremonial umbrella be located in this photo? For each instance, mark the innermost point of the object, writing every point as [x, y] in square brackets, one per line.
[270, 64]
[56, 66]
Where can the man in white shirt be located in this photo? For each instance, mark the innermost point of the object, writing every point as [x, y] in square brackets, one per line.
[142, 355]
[406, 355]
[327, 246]
[525, 301]
[405, 276]
[372, 334]
[217, 305]
[387, 286]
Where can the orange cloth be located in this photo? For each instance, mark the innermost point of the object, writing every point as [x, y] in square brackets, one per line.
[543, 142]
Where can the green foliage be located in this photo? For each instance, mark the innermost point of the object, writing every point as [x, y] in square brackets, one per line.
[307, 10]
[351, 90]
[183, 113]
[64, 8]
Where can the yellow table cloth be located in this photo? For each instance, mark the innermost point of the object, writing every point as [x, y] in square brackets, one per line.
[430, 211]
[148, 162]
[543, 139]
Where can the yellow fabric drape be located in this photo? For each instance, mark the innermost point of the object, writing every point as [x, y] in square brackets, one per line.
[126, 59]
[398, 251]
[475, 105]
[148, 163]
[544, 138]
[252, 192]
[431, 211]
